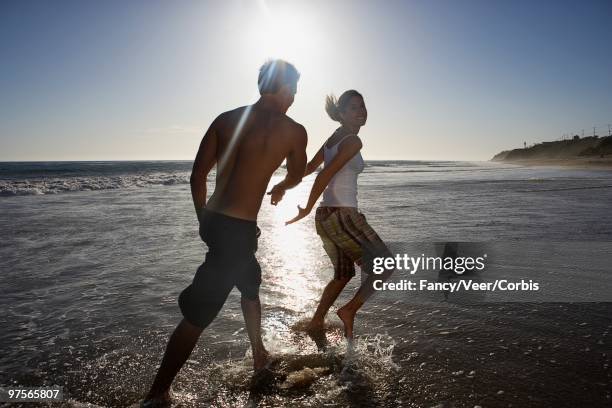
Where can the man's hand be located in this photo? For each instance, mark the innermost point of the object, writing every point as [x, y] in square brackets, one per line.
[302, 212]
[200, 214]
[276, 194]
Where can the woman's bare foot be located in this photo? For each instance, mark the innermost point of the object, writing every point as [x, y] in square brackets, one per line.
[347, 315]
[316, 331]
[315, 326]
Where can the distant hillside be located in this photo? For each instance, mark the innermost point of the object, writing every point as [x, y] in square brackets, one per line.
[564, 149]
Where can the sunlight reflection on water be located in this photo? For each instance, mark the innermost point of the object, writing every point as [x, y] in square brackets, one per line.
[90, 281]
[291, 253]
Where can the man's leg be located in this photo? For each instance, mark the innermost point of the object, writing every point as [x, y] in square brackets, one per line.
[251, 309]
[329, 296]
[180, 346]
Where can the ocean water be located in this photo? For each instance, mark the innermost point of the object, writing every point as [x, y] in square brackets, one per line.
[94, 254]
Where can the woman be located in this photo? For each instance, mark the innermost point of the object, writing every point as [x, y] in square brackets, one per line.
[347, 237]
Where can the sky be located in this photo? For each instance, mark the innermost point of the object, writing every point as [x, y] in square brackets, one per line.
[442, 80]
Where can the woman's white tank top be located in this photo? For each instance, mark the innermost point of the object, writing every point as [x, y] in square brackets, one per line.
[342, 189]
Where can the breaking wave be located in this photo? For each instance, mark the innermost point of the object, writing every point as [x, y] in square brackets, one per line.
[41, 186]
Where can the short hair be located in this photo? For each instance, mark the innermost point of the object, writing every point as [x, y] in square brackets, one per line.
[334, 106]
[275, 73]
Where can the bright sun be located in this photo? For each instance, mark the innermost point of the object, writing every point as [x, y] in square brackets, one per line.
[283, 32]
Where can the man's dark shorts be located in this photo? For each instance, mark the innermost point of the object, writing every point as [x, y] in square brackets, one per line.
[230, 262]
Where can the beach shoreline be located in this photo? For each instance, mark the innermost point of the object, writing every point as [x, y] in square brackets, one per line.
[588, 163]
[91, 278]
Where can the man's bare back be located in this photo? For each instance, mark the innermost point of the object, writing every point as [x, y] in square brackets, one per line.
[248, 144]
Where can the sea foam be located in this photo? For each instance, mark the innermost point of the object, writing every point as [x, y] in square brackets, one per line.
[41, 186]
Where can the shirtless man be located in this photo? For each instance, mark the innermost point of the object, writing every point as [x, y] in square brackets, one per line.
[248, 144]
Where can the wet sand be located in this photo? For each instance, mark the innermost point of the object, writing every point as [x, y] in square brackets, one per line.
[90, 281]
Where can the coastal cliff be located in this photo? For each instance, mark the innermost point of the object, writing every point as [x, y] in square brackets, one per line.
[586, 150]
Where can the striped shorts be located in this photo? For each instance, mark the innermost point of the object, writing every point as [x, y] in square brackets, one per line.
[348, 239]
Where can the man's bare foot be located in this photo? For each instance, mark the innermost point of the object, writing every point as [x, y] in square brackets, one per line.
[347, 316]
[261, 360]
[162, 400]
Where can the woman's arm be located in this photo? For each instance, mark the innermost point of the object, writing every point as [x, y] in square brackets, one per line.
[348, 148]
[314, 163]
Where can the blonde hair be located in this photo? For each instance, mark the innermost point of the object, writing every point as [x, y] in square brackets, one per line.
[335, 106]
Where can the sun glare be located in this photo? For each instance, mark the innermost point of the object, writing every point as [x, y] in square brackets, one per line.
[284, 31]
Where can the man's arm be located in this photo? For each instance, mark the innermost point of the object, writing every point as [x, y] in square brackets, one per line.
[314, 163]
[204, 162]
[296, 165]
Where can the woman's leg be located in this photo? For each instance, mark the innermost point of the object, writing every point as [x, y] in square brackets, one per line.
[364, 245]
[347, 312]
[330, 294]
[344, 270]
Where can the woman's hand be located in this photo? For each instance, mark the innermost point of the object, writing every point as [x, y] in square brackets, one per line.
[302, 212]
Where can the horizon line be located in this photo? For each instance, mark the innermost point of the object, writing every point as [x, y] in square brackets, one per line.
[191, 160]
